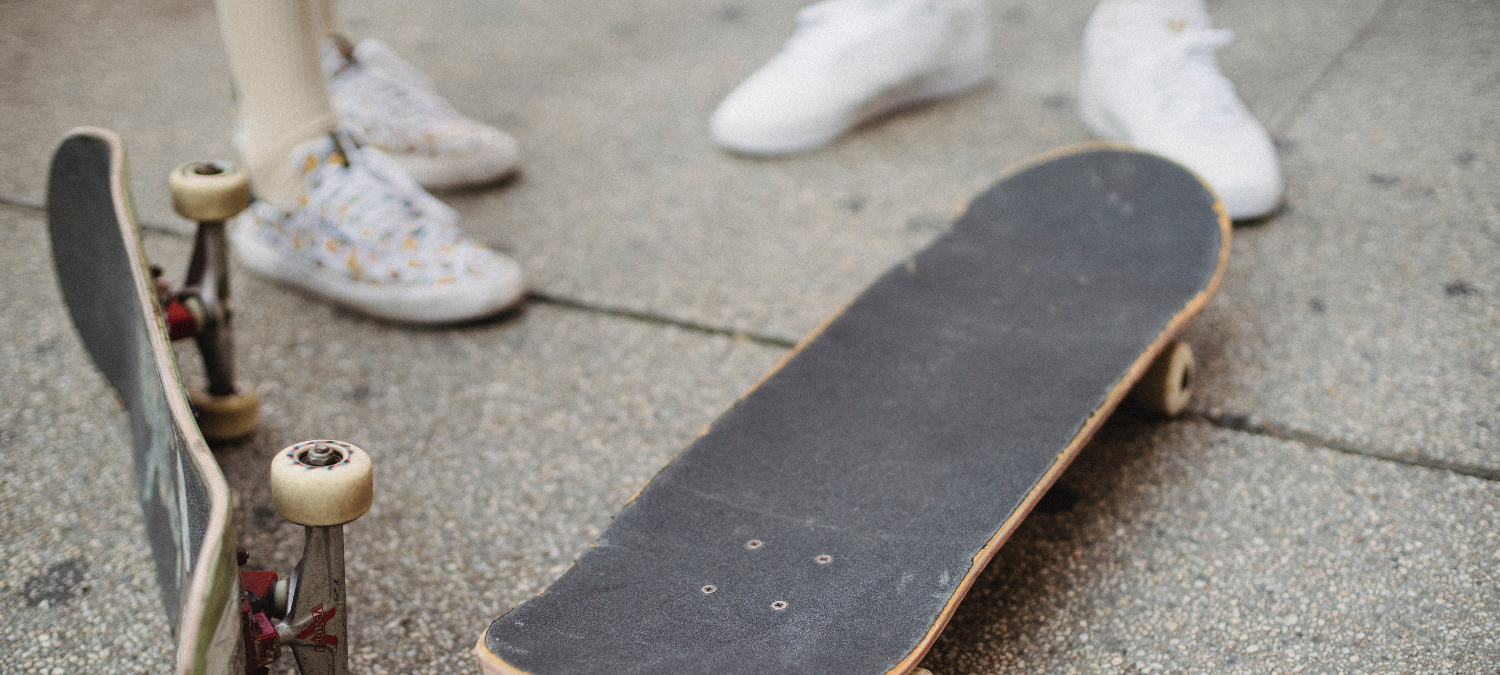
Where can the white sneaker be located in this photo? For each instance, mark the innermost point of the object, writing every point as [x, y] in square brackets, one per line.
[1150, 78]
[367, 236]
[393, 106]
[851, 60]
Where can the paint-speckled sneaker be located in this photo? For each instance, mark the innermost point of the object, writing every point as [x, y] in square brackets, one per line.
[366, 236]
[393, 106]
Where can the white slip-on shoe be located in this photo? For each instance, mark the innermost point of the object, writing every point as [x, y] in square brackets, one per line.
[1150, 78]
[366, 236]
[393, 106]
[849, 61]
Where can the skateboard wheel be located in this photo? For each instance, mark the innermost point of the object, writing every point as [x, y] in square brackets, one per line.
[307, 491]
[209, 191]
[279, 598]
[226, 418]
[1167, 385]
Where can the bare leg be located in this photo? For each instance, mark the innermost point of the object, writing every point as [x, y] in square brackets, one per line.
[325, 10]
[325, 194]
[273, 55]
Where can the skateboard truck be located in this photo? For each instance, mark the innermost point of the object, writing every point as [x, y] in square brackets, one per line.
[320, 485]
[118, 303]
[210, 193]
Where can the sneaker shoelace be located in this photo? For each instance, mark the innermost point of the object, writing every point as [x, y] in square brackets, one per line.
[1187, 76]
[370, 218]
[403, 208]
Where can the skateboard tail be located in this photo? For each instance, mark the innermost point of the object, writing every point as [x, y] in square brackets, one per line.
[490, 664]
[96, 246]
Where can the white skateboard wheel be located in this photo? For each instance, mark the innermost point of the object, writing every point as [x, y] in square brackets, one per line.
[209, 191]
[1167, 385]
[226, 418]
[309, 493]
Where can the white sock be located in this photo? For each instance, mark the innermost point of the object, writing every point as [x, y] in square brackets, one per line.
[273, 48]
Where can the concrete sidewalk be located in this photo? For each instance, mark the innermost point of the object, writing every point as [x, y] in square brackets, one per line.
[1331, 505]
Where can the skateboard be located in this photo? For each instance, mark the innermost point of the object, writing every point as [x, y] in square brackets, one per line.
[126, 315]
[832, 520]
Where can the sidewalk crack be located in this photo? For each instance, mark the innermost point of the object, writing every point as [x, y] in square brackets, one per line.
[1295, 109]
[539, 297]
[1247, 424]
[544, 298]
[21, 204]
[154, 228]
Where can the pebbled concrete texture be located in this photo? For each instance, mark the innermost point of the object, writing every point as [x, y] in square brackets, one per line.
[1282, 50]
[655, 219]
[78, 586]
[1367, 314]
[1184, 548]
[501, 449]
[1359, 324]
[611, 106]
[154, 71]
[621, 141]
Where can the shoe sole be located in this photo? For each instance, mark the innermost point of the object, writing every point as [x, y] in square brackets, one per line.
[426, 305]
[446, 174]
[949, 81]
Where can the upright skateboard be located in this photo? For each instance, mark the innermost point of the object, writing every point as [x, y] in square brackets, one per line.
[833, 519]
[125, 313]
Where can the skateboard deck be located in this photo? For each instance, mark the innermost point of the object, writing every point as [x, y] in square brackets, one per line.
[834, 517]
[110, 294]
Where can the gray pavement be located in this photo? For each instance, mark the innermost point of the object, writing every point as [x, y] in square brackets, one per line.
[1367, 315]
[1330, 506]
[77, 581]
